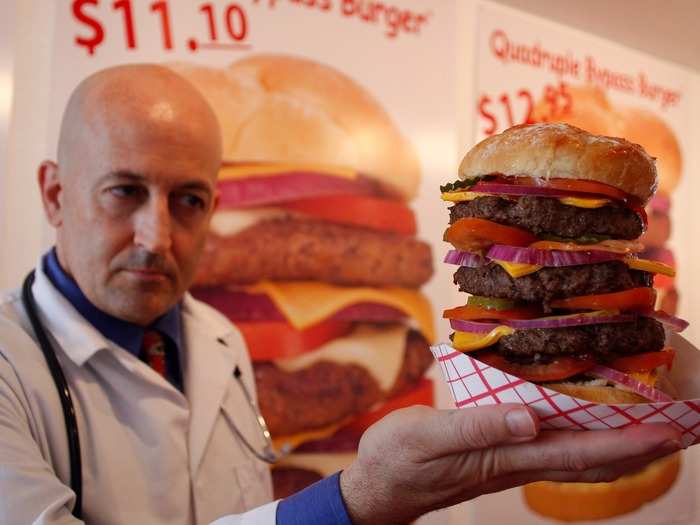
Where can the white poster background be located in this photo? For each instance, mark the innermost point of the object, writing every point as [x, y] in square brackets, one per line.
[621, 68]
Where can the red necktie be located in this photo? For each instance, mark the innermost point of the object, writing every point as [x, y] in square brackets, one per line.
[153, 351]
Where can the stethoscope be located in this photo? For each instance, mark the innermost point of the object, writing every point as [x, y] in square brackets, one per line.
[268, 454]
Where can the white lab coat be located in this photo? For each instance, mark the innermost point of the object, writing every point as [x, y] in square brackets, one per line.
[149, 453]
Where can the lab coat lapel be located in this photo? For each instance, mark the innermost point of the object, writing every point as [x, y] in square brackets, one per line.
[209, 367]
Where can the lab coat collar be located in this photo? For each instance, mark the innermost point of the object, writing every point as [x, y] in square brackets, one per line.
[78, 338]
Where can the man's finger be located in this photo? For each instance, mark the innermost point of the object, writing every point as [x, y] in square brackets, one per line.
[444, 432]
[578, 451]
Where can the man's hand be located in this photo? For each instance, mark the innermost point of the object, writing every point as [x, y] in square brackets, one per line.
[420, 459]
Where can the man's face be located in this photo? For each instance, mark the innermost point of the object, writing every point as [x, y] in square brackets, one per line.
[135, 211]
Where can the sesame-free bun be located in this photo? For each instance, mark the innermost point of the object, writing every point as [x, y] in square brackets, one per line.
[546, 151]
[645, 128]
[293, 110]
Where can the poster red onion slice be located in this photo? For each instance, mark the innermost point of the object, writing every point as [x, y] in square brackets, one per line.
[672, 322]
[521, 255]
[627, 381]
[263, 190]
[462, 258]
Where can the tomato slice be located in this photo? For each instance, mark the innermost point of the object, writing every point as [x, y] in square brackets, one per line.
[644, 362]
[368, 212]
[560, 368]
[269, 340]
[633, 299]
[474, 313]
[476, 235]
[421, 394]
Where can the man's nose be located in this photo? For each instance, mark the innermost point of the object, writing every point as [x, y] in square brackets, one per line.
[152, 228]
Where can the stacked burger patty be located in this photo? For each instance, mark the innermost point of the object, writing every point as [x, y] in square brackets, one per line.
[545, 225]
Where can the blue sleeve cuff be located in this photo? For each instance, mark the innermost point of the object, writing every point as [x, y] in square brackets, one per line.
[318, 504]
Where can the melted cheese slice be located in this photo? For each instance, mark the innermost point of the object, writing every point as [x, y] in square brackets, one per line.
[307, 303]
[648, 378]
[650, 266]
[241, 170]
[463, 196]
[468, 341]
[324, 463]
[379, 350]
[518, 269]
[579, 202]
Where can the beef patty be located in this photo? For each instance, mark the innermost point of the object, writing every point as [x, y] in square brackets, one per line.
[602, 341]
[549, 284]
[545, 215]
[311, 250]
[326, 393]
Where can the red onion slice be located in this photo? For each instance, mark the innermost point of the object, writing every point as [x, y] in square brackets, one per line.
[601, 317]
[521, 255]
[537, 191]
[568, 321]
[263, 190]
[627, 381]
[468, 259]
[672, 322]
[475, 327]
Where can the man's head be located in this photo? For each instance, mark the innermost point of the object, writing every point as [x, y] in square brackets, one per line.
[134, 188]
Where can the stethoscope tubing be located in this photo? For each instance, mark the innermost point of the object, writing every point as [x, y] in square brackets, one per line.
[71, 422]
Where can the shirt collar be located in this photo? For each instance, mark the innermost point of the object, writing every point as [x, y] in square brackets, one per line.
[125, 334]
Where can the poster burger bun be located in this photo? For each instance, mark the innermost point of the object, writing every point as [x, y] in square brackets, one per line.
[644, 127]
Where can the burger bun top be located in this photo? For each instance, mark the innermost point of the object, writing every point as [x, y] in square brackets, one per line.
[545, 151]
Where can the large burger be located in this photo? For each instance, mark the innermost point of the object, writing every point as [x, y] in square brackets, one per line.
[313, 255]
[544, 227]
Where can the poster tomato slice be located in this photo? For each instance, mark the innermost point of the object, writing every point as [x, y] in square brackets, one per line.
[269, 340]
[421, 394]
[475, 235]
[633, 299]
[473, 313]
[644, 362]
[560, 368]
[368, 212]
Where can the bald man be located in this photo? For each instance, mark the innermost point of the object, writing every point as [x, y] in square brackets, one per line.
[160, 383]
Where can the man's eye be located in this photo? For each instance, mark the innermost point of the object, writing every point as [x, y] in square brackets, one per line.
[193, 201]
[126, 191]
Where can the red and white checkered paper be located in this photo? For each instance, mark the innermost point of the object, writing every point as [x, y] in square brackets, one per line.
[474, 383]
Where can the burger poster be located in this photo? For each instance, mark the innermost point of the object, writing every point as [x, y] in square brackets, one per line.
[323, 250]
[529, 70]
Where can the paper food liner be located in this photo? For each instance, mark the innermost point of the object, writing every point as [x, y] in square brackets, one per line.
[474, 383]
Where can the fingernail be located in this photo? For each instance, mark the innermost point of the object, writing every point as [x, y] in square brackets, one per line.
[520, 423]
[670, 446]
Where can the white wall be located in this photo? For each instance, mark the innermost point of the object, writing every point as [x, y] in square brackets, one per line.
[23, 230]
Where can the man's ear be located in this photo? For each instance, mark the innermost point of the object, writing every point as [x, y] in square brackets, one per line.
[50, 187]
